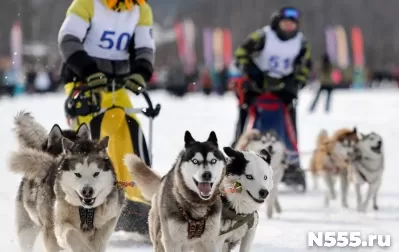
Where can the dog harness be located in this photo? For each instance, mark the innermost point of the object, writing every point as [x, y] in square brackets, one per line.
[86, 218]
[195, 228]
[240, 219]
[362, 175]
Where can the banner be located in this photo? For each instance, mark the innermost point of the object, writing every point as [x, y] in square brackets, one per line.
[359, 79]
[331, 44]
[208, 50]
[217, 44]
[189, 52]
[16, 46]
[227, 48]
[180, 43]
[342, 46]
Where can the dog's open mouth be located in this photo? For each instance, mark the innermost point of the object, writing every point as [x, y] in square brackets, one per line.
[377, 149]
[87, 201]
[260, 201]
[204, 188]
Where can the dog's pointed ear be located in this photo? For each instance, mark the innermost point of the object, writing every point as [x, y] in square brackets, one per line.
[213, 138]
[363, 136]
[188, 139]
[67, 145]
[265, 155]
[83, 132]
[354, 130]
[55, 135]
[103, 143]
[230, 152]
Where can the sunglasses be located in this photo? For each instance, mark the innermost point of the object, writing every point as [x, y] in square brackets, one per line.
[291, 13]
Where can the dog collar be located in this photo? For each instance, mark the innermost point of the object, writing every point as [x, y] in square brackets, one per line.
[86, 218]
[195, 228]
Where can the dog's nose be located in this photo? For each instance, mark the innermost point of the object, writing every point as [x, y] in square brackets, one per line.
[270, 149]
[87, 191]
[263, 193]
[206, 176]
[379, 142]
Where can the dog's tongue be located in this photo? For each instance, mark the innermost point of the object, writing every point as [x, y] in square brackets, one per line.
[205, 188]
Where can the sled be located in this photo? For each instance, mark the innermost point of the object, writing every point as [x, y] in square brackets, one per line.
[267, 112]
[113, 119]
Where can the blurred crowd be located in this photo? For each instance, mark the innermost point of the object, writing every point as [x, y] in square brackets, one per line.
[32, 79]
[38, 78]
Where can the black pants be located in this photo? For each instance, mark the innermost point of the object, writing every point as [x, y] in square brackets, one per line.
[328, 89]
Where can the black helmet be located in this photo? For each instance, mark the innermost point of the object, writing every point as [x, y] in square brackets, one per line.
[290, 13]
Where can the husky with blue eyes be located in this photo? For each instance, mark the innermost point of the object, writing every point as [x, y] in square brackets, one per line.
[247, 184]
[185, 203]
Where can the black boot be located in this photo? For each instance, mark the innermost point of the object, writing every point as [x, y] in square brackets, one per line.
[242, 117]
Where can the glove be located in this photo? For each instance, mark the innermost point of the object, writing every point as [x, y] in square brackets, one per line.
[96, 79]
[135, 83]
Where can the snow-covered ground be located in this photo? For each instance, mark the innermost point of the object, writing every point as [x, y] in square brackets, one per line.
[368, 110]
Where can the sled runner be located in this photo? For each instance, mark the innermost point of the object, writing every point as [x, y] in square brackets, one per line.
[267, 112]
[114, 116]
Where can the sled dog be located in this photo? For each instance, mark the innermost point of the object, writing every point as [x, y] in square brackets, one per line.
[246, 186]
[186, 205]
[368, 167]
[71, 198]
[331, 159]
[254, 140]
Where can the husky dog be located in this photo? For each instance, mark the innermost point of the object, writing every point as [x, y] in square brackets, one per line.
[368, 167]
[186, 206]
[277, 149]
[331, 159]
[248, 181]
[33, 135]
[254, 140]
[72, 198]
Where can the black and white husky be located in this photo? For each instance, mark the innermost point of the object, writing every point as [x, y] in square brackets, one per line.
[186, 207]
[254, 140]
[368, 167]
[246, 186]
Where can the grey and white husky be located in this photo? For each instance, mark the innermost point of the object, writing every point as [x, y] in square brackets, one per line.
[368, 167]
[254, 140]
[246, 186]
[71, 198]
[186, 206]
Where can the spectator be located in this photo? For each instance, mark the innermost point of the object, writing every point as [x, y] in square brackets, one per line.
[9, 82]
[326, 83]
[42, 82]
[30, 79]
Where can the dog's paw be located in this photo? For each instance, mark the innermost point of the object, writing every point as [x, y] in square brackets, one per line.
[345, 205]
[375, 207]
